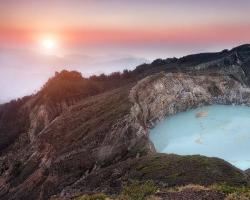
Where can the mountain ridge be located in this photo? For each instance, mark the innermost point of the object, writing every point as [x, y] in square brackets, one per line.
[77, 131]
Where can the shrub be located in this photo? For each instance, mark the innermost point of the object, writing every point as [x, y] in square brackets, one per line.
[138, 191]
[233, 192]
[100, 196]
[236, 197]
[187, 187]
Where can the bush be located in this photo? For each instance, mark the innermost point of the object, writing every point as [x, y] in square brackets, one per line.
[100, 196]
[236, 197]
[232, 191]
[192, 187]
[138, 191]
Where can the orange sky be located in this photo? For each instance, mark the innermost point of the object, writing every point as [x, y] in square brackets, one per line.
[129, 22]
[85, 36]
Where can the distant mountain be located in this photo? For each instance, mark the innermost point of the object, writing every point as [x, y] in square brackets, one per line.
[81, 135]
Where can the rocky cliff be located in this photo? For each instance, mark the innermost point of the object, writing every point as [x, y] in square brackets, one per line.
[81, 135]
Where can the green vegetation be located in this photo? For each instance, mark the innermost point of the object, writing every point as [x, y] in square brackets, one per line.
[146, 191]
[156, 163]
[179, 170]
[66, 85]
[71, 84]
[99, 196]
[236, 197]
[186, 187]
[138, 190]
[231, 192]
[240, 192]
[14, 119]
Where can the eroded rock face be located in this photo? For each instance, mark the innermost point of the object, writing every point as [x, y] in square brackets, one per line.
[160, 95]
[41, 115]
[248, 173]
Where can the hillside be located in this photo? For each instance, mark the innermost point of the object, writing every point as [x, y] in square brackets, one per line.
[90, 135]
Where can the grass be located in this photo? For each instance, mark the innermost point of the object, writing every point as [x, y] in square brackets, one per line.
[99, 196]
[187, 187]
[134, 191]
[181, 170]
[156, 163]
[236, 197]
[146, 191]
[232, 192]
[138, 191]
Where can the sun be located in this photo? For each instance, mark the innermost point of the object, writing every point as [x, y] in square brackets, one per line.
[49, 45]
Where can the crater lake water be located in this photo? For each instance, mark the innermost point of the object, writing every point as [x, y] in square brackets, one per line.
[221, 131]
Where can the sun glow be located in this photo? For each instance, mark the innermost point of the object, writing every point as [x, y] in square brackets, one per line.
[49, 45]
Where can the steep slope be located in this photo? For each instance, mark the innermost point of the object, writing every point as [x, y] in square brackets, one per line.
[164, 170]
[13, 121]
[80, 135]
[67, 148]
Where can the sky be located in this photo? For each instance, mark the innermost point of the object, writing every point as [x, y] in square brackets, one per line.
[100, 36]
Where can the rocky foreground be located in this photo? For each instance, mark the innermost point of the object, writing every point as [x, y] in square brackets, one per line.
[80, 136]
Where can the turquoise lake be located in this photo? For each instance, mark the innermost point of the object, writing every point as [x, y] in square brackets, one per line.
[221, 131]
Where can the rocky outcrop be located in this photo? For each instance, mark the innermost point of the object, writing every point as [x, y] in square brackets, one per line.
[248, 173]
[164, 94]
[41, 115]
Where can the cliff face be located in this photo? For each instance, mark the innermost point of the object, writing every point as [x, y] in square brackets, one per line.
[79, 135]
[160, 95]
